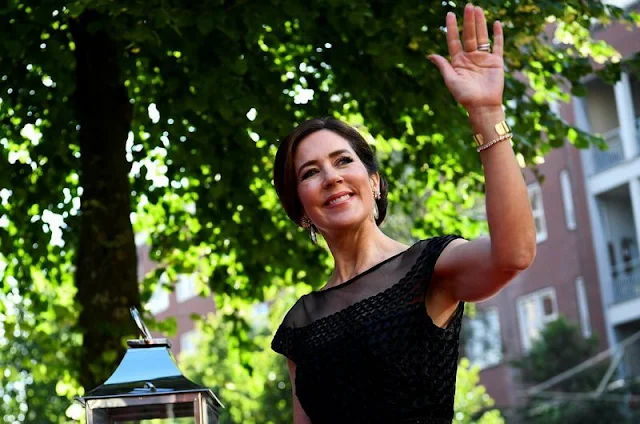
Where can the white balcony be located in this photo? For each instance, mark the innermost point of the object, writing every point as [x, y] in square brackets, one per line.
[626, 281]
[605, 159]
[618, 223]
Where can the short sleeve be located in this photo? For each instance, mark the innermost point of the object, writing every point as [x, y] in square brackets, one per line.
[283, 340]
[426, 263]
[432, 251]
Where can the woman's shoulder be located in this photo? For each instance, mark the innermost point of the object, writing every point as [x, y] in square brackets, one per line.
[417, 258]
[428, 249]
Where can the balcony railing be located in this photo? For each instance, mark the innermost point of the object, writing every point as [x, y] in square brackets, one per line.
[603, 160]
[638, 133]
[626, 281]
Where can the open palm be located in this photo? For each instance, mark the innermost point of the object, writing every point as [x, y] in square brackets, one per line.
[474, 77]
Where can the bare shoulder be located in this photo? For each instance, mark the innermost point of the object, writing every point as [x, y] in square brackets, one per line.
[448, 258]
[467, 271]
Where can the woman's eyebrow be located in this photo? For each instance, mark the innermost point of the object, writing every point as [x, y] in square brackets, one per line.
[331, 155]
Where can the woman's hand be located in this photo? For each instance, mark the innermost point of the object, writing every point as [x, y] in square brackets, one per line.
[474, 77]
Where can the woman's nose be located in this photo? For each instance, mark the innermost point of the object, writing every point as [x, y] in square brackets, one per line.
[332, 177]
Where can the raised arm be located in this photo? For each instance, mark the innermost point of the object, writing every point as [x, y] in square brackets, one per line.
[474, 270]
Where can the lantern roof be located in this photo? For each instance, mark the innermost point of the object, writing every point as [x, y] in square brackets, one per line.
[147, 369]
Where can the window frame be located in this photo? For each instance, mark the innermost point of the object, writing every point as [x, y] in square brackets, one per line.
[534, 189]
[526, 339]
[567, 200]
[583, 307]
[186, 287]
[187, 339]
[160, 299]
[483, 354]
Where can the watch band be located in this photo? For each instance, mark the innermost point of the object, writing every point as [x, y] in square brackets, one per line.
[501, 128]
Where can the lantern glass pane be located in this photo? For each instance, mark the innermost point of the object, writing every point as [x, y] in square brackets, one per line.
[212, 415]
[179, 413]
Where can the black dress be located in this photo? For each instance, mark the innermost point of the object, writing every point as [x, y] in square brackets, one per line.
[366, 351]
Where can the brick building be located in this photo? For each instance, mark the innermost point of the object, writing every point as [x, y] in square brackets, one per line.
[561, 281]
[612, 181]
[587, 214]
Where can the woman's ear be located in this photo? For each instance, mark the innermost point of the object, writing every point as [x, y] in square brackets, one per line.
[375, 182]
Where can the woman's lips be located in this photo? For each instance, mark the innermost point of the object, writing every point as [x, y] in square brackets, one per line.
[337, 201]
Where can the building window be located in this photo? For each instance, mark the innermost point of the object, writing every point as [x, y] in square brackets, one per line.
[189, 342]
[484, 345]
[159, 300]
[567, 200]
[583, 307]
[535, 311]
[535, 197]
[554, 107]
[185, 287]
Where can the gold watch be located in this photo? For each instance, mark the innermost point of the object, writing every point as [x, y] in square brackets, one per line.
[501, 127]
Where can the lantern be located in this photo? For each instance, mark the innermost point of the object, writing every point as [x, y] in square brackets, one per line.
[146, 386]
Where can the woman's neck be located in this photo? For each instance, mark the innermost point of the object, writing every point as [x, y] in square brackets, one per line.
[355, 252]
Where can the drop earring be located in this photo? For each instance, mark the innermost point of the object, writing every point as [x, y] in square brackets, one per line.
[306, 223]
[376, 212]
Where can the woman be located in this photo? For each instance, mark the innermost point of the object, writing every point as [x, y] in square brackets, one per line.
[379, 343]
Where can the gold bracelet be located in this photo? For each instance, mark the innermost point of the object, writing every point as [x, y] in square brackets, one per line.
[501, 128]
[495, 141]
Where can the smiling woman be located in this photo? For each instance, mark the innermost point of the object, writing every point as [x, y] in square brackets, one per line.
[349, 145]
[379, 342]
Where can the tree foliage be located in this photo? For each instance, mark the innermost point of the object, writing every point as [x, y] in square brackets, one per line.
[561, 347]
[162, 118]
[472, 404]
[250, 379]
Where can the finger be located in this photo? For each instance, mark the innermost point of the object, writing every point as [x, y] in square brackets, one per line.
[444, 66]
[498, 38]
[482, 33]
[469, 29]
[453, 37]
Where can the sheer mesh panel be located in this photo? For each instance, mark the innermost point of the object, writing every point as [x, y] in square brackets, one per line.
[367, 351]
[323, 303]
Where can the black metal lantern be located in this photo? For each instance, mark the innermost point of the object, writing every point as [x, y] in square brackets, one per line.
[147, 385]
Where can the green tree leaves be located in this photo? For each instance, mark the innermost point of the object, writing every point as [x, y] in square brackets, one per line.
[472, 404]
[196, 176]
[549, 357]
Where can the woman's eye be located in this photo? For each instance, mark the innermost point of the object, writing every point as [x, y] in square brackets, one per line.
[344, 160]
[308, 173]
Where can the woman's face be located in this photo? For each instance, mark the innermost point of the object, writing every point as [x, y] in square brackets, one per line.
[334, 186]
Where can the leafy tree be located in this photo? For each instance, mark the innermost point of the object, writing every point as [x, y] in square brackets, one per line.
[472, 403]
[561, 347]
[239, 366]
[161, 117]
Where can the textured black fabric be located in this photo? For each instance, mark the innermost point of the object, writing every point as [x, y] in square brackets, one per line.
[366, 351]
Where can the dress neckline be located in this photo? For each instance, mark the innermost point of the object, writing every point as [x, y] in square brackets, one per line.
[367, 271]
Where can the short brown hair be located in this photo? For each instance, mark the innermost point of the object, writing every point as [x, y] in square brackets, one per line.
[284, 175]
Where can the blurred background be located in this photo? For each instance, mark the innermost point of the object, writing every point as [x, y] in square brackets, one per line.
[137, 141]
